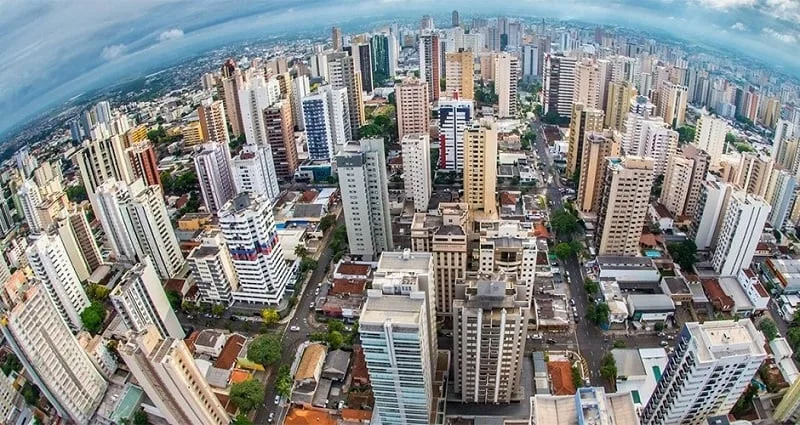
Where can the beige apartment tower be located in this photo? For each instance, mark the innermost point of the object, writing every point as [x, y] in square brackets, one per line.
[584, 120]
[506, 77]
[412, 108]
[683, 181]
[672, 100]
[490, 322]
[596, 147]
[165, 369]
[279, 126]
[619, 94]
[587, 84]
[480, 167]
[213, 123]
[625, 199]
[753, 173]
[336, 38]
[459, 70]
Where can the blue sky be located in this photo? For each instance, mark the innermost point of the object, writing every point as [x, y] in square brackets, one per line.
[55, 49]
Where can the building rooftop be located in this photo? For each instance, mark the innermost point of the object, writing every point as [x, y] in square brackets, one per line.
[404, 261]
[354, 269]
[676, 286]
[308, 416]
[651, 302]
[230, 352]
[208, 337]
[629, 362]
[725, 338]
[624, 262]
[313, 356]
[732, 287]
[450, 230]
[399, 309]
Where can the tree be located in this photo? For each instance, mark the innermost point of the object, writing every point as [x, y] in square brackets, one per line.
[608, 368]
[270, 316]
[283, 383]
[769, 328]
[327, 222]
[30, 393]
[730, 138]
[140, 418]
[335, 340]
[218, 309]
[307, 264]
[745, 402]
[563, 250]
[598, 313]
[175, 299]
[93, 317]
[77, 194]
[241, 420]
[97, 292]
[744, 147]
[10, 364]
[686, 134]
[369, 130]
[619, 344]
[590, 287]
[577, 379]
[248, 395]
[300, 251]
[563, 222]
[684, 253]
[264, 350]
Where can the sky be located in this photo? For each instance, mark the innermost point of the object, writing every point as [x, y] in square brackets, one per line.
[54, 50]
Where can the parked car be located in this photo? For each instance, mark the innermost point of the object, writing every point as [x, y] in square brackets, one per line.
[295, 328]
[551, 341]
[664, 343]
[572, 302]
[277, 399]
[271, 417]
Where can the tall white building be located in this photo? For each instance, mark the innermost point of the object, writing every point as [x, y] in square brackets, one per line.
[140, 301]
[784, 130]
[506, 77]
[587, 84]
[530, 62]
[212, 269]
[455, 116]
[52, 357]
[507, 246]
[711, 209]
[417, 169]
[365, 196]
[253, 171]
[256, 95]
[399, 339]
[711, 367]
[51, 265]
[300, 89]
[249, 229]
[660, 143]
[29, 200]
[780, 196]
[212, 164]
[166, 371]
[710, 137]
[100, 161]
[79, 241]
[137, 224]
[326, 116]
[672, 99]
[740, 232]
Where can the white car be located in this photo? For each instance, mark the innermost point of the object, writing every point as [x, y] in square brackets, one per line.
[295, 328]
[271, 417]
[277, 399]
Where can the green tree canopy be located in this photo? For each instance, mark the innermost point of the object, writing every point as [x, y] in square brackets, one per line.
[608, 368]
[563, 222]
[769, 328]
[241, 419]
[335, 340]
[77, 193]
[93, 317]
[598, 313]
[270, 316]
[684, 253]
[283, 383]
[590, 287]
[327, 222]
[248, 395]
[264, 350]
[140, 418]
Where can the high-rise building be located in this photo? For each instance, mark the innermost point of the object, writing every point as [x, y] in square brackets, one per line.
[212, 162]
[253, 172]
[788, 410]
[625, 198]
[213, 123]
[683, 181]
[672, 103]
[416, 150]
[455, 21]
[100, 161]
[300, 90]
[780, 196]
[412, 108]
[530, 63]
[51, 265]
[459, 71]
[740, 232]
[586, 403]
[711, 367]
[319, 120]
[136, 223]
[257, 94]
[710, 137]
[30, 199]
[490, 323]
[383, 55]
[596, 147]
[319, 66]
[506, 77]
[365, 197]
[443, 235]
[52, 357]
[753, 173]
[507, 246]
[144, 162]
[140, 301]
[649, 136]
[558, 87]
[343, 73]
[709, 214]
[480, 167]
[212, 269]
[232, 81]
[249, 229]
[166, 371]
[336, 38]
[76, 234]
[280, 137]
[587, 84]
[584, 120]
[362, 57]
[455, 116]
[397, 318]
[617, 106]
[784, 130]
[429, 69]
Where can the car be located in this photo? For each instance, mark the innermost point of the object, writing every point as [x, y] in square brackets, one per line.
[234, 319]
[572, 302]
[271, 417]
[189, 316]
[341, 404]
[664, 343]
[316, 291]
[295, 328]
[670, 337]
[551, 341]
[277, 399]
[662, 334]
[311, 306]
[348, 329]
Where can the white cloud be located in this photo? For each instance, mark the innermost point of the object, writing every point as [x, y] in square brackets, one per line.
[727, 4]
[739, 26]
[170, 34]
[112, 52]
[781, 36]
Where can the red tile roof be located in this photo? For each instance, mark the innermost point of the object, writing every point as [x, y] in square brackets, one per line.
[348, 286]
[310, 416]
[359, 370]
[356, 415]
[717, 295]
[561, 377]
[308, 196]
[226, 402]
[353, 269]
[230, 352]
[507, 199]
[191, 339]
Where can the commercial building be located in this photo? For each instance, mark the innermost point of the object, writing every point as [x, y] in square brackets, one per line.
[455, 116]
[583, 121]
[51, 265]
[480, 167]
[321, 133]
[624, 198]
[212, 163]
[596, 147]
[710, 137]
[429, 58]
[212, 269]
[248, 226]
[140, 301]
[362, 55]
[417, 169]
[490, 324]
[683, 180]
[412, 108]
[531, 68]
[253, 171]
[365, 197]
[459, 71]
[506, 77]
[740, 232]
[711, 367]
[52, 357]
[166, 371]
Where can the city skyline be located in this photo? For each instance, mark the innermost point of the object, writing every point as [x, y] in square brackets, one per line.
[160, 36]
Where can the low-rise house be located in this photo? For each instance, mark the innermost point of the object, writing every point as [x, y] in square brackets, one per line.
[308, 374]
[650, 307]
[336, 364]
[716, 295]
